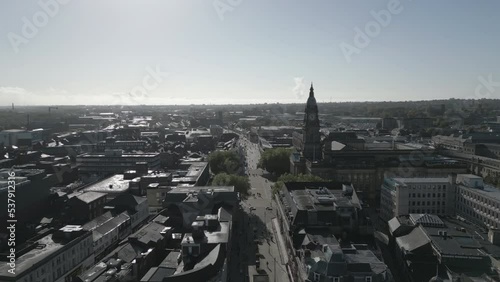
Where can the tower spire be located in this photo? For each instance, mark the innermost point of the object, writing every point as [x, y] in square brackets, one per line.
[311, 90]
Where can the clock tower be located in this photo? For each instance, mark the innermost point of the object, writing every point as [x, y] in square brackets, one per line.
[310, 134]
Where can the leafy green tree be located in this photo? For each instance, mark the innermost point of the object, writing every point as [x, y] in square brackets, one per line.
[241, 183]
[224, 161]
[295, 178]
[276, 161]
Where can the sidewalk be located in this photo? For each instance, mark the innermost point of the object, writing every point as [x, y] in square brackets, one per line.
[280, 242]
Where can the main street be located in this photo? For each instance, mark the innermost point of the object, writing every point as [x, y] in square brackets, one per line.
[258, 226]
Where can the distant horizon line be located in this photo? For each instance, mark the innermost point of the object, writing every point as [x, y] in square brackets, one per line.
[243, 104]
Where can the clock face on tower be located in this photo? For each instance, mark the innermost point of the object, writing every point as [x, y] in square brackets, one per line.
[312, 116]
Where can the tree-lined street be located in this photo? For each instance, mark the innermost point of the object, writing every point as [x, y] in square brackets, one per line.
[256, 228]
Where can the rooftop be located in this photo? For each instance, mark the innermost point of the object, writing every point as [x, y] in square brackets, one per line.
[110, 225]
[150, 233]
[201, 189]
[45, 248]
[87, 197]
[124, 155]
[98, 221]
[321, 198]
[221, 235]
[112, 184]
[13, 130]
[422, 180]
[357, 257]
[488, 191]
[451, 238]
[462, 240]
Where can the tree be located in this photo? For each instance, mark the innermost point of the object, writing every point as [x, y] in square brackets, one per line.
[241, 183]
[295, 178]
[224, 161]
[276, 161]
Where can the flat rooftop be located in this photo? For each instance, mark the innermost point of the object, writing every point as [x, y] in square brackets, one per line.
[422, 180]
[112, 184]
[469, 243]
[46, 248]
[198, 189]
[488, 191]
[87, 197]
[124, 155]
[215, 237]
[150, 233]
[321, 199]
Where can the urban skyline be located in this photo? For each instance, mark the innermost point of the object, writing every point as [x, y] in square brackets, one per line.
[245, 141]
[242, 52]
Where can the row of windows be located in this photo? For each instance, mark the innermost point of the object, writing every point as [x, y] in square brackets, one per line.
[439, 187]
[418, 195]
[480, 208]
[474, 215]
[317, 277]
[480, 198]
[429, 203]
[61, 264]
[474, 204]
[429, 211]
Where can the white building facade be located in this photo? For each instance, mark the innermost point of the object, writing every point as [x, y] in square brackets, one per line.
[57, 260]
[403, 196]
[463, 195]
[478, 202]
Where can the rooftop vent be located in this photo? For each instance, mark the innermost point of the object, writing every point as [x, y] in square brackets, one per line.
[443, 233]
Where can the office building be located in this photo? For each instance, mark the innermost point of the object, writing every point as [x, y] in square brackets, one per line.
[115, 162]
[325, 260]
[429, 247]
[463, 195]
[53, 256]
[402, 196]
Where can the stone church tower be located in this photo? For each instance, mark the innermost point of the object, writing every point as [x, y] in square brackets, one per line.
[310, 133]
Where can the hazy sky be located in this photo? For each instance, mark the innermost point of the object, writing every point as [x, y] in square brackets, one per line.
[244, 51]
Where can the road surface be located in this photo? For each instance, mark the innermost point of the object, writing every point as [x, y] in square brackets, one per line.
[255, 227]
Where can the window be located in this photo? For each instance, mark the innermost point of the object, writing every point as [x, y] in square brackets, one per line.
[316, 276]
[368, 279]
